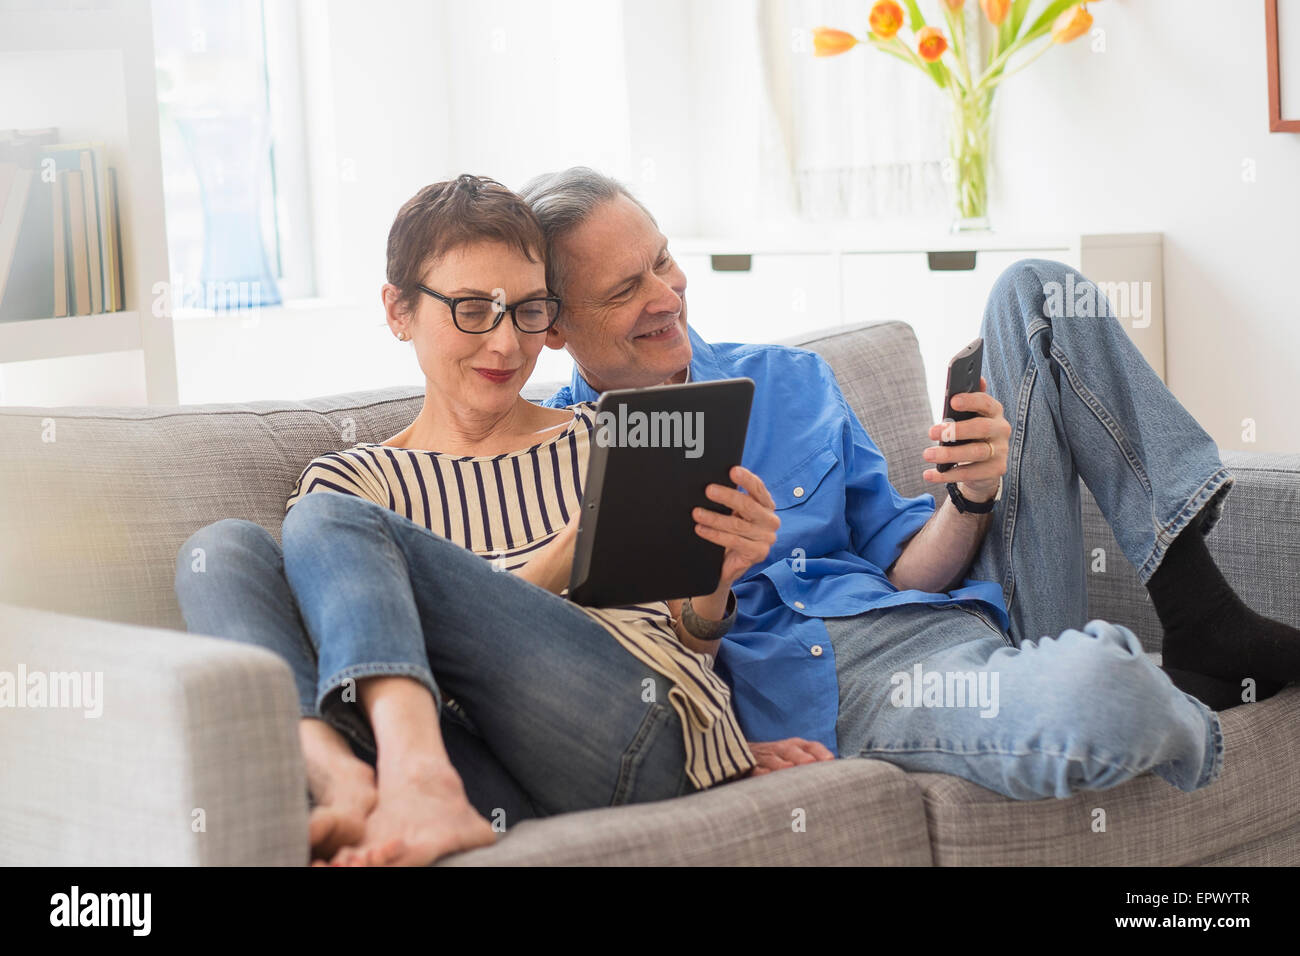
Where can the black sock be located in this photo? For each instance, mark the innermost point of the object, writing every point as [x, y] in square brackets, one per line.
[1215, 693]
[1209, 630]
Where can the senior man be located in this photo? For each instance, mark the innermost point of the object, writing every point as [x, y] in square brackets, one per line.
[852, 633]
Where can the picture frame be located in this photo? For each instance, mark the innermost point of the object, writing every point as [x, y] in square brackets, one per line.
[1277, 76]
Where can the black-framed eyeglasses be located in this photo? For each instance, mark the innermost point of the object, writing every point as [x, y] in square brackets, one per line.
[477, 315]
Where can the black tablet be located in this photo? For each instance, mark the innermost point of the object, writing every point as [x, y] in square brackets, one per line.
[653, 453]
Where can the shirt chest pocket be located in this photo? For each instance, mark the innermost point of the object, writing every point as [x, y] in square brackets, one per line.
[798, 485]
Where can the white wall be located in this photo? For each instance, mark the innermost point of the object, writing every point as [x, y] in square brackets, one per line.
[1168, 130]
[404, 93]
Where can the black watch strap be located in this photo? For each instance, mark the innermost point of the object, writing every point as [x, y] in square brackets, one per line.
[965, 505]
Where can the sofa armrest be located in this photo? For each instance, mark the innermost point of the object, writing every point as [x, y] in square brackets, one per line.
[1256, 544]
[167, 748]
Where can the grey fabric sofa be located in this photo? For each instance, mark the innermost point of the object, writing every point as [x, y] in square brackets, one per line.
[194, 759]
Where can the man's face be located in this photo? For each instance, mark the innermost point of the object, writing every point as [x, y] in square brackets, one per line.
[624, 313]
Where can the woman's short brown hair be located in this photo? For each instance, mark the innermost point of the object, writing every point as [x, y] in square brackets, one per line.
[444, 216]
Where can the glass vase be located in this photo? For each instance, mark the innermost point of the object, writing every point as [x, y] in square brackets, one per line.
[231, 157]
[968, 151]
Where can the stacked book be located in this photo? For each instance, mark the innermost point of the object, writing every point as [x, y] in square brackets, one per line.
[60, 233]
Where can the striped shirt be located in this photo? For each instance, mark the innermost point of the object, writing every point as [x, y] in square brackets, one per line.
[505, 508]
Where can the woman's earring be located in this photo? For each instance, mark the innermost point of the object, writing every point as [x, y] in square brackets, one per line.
[402, 336]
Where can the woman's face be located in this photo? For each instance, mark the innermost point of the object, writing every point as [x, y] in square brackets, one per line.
[481, 373]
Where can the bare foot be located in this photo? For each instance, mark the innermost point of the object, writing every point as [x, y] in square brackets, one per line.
[346, 794]
[422, 814]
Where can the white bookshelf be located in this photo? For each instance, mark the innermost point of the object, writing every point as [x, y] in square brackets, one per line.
[69, 336]
[87, 67]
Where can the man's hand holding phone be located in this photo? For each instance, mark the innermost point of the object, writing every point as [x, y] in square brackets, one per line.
[989, 435]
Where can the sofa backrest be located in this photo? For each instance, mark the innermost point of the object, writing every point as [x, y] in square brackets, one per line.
[96, 501]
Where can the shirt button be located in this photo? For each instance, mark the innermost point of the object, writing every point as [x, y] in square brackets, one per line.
[799, 605]
[816, 650]
[798, 492]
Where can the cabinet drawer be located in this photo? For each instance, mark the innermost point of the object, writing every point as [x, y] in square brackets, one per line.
[776, 297]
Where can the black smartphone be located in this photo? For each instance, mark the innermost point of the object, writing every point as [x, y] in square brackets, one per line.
[963, 376]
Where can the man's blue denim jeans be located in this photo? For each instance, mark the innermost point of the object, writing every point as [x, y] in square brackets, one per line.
[1080, 706]
[542, 710]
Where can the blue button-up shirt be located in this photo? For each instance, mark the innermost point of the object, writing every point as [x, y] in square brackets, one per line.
[842, 526]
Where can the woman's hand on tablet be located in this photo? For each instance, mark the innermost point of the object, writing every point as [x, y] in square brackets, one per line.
[747, 533]
[552, 565]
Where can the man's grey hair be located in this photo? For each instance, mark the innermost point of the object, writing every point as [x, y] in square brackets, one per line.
[563, 201]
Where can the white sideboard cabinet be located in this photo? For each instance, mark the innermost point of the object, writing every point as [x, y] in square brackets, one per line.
[768, 290]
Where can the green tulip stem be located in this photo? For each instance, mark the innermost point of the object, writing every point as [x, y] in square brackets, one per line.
[968, 145]
[1041, 50]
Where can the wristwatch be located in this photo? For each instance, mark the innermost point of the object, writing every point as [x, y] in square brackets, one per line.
[703, 629]
[966, 506]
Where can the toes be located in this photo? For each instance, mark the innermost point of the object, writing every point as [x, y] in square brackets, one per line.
[388, 853]
[344, 857]
[385, 854]
[330, 831]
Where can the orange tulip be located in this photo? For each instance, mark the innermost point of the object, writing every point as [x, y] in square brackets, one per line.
[829, 42]
[954, 5]
[995, 10]
[930, 43]
[886, 18]
[1071, 24]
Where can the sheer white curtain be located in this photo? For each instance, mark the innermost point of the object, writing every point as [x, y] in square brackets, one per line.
[864, 134]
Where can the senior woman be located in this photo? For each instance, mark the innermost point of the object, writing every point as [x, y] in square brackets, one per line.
[389, 615]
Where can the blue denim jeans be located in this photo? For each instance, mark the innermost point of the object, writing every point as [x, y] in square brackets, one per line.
[541, 708]
[1080, 706]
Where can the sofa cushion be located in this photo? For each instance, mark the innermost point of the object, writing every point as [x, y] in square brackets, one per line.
[836, 813]
[1148, 821]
